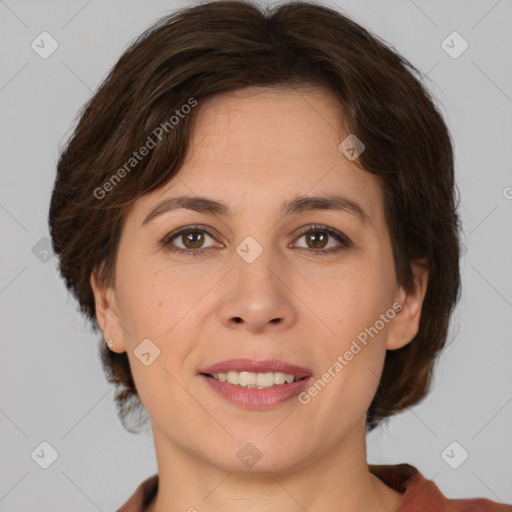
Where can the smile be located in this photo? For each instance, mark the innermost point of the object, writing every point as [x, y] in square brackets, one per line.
[256, 384]
[254, 380]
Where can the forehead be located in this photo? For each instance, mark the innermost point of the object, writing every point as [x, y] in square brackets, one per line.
[256, 147]
[257, 124]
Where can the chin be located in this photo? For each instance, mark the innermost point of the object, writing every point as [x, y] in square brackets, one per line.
[258, 454]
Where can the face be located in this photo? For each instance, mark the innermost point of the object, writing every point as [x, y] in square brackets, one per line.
[259, 276]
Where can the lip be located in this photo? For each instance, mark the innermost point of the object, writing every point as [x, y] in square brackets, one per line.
[249, 365]
[252, 398]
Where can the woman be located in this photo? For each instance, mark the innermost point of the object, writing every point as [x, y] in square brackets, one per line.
[257, 211]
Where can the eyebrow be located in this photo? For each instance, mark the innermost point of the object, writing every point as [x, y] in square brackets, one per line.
[297, 205]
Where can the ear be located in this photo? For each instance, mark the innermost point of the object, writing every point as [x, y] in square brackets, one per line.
[107, 313]
[405, 324]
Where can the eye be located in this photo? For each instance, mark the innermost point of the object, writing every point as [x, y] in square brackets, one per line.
[317, 239]
[192, 239]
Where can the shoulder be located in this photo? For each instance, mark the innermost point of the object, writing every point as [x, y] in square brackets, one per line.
[143, 494]
[422, 495]
[419, 494]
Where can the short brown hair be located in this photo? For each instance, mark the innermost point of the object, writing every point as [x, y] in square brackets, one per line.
[222, 46]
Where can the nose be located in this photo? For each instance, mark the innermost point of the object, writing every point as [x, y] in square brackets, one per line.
[256, 296]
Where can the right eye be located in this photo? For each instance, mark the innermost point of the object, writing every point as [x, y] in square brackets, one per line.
[192, 238]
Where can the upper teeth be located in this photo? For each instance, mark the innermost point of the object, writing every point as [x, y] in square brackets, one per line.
[255, 380]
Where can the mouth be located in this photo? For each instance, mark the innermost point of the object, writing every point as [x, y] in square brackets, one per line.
[256, 384]
[253, 380]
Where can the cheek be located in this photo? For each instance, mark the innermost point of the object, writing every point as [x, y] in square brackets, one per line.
[152, 301]
[158, 305]
[354, 301]
[352, 305]
[160, 391]
[351, 360]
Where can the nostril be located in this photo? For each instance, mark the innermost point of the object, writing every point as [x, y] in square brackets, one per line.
[238, 319]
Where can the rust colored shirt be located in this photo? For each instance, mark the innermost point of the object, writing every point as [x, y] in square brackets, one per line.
[420, 494]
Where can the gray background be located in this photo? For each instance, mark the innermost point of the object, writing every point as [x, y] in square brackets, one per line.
[52, 386]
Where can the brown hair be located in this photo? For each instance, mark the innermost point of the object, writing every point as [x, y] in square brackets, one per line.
[222, 46]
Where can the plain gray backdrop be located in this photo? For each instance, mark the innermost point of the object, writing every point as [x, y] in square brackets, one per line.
[52, 386]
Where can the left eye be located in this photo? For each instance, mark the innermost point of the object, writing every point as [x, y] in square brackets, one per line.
[318, 237]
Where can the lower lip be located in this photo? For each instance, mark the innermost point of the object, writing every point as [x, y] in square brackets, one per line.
[252, 398]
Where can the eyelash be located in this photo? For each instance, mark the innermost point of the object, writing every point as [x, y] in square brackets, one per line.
[166, 242]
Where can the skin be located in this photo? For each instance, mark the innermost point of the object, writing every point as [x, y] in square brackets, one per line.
[254, 149]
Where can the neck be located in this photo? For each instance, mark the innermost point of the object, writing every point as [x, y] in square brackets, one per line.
[339, 477]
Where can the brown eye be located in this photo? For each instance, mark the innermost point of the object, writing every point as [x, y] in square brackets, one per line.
[317, 239]
[187, 240]
[192, 239]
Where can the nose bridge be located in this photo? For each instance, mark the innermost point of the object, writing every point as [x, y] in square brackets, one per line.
[256, 268]
[256, 295]
[260, 261]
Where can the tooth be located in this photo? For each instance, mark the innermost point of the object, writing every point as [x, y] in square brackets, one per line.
[279, 378]
[247, 379]
[265, 380]
[233, 378]
[255, 380]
